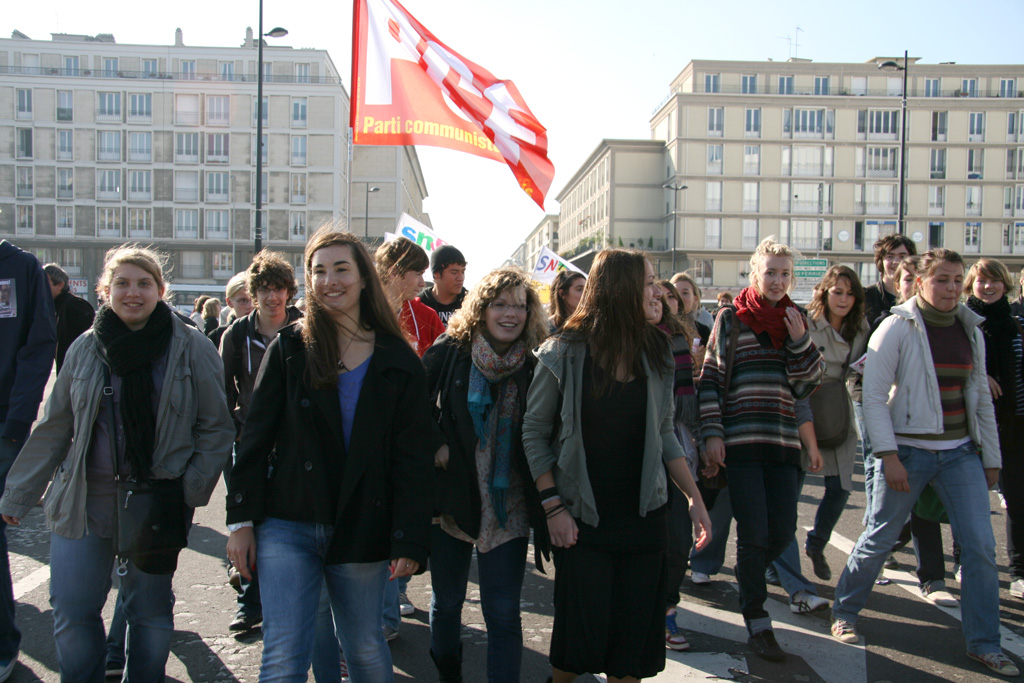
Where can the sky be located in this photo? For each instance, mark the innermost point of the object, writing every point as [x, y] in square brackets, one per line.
[589, 69]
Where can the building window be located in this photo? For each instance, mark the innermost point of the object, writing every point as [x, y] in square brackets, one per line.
[217, 148]
[65, 145]
[186, 148]
[969, 87]
[140, 146]
[298, 188]
[23, 143]
[716, 121]
[140, 185]
[975, 164]
[972, 204]
[712, 233]
[298, 150]
[972, 238]
[748, 85]
[712, 83]
[1011, 125]
[1013, 238]
[751, 159]
[297, 226]
[227, 71]
[65, 183]
[750, 233]
[808, 123]
[186, 226]
[186, 186]
[1007, 87]
[713, 196]
[881, 162]
[218, 110]
[24, 189]
[821, 85]
[936, 235]
[217, 224]
[976, 128]
[940, 124]
[110, 67]
[937, 164]
[65, 105]
[140, 108]
[298, 112]
[751, 197]
[149, 68]
[302, 73]
[192, 265]
[108, 222]
[223, 265]
[932, 87]
[786, 85]
[936, 200]
[24, 110]
[188, 69]
[703, 271]
[256, 109]
[109, 107]
[883, 124]
[217, 186]
[108, 145]
[1015, 164]
[186, 110]
[71, 66]
[752, 126]
[715, 159]
[108, 184]
[140, 223]
[65, 221]
[268, 72]
[25, 221]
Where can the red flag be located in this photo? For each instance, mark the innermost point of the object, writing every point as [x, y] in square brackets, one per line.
[409, 88]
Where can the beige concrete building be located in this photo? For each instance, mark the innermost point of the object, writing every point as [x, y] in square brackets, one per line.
[102, 143]
[545, 234]
[396, 173]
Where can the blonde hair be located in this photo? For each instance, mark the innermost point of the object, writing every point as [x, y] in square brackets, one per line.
[992, 269]
[211, 308]
[149, 260]
[237, 283]
[765, 250]
[470, 319]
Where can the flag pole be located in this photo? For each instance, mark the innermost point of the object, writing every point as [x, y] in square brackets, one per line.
[356, 16]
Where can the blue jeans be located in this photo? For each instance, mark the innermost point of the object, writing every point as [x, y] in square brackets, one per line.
[959, 480]
[392, 610]
[764, 497]
[709, 559]
[830, 509]
[80, 572]
[501, 583]
[290, 559]
[869, 459]
[326, 649]
[10, 636]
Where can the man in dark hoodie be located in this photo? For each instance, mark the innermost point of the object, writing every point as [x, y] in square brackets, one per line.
[74, 314]
[28, 337]
[446, 294]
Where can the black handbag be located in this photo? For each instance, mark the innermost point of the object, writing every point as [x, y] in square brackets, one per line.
[151, 515]
[830, 404]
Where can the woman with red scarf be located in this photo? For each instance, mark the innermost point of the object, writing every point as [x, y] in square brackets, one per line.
[748, 423]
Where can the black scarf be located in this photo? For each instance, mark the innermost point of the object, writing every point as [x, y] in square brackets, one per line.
[131, 356]
[1000, 329]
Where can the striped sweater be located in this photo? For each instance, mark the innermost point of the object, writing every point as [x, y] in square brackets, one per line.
[757, 419]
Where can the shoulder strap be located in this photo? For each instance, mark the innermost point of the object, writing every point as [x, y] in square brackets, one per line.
[730, 352]
[108, 398]
[238, 335]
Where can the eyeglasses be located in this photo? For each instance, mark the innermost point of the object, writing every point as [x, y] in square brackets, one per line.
[501, 307]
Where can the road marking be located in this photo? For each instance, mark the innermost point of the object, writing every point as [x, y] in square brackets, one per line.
[29, 583]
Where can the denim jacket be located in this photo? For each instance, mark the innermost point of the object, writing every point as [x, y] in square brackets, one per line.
[558, 380]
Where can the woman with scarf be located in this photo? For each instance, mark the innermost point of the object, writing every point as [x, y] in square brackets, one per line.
[599, 436]
[481, 369]
[156, 382]
[989, 284]
[760, 360]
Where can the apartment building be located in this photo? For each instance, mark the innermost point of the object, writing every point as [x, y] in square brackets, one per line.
[386, 182]
[545, 234]
[102, 143]
[810, 152]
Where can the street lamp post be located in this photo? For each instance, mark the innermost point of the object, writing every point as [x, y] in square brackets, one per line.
[675, 195]
[891, 65]
[273, 33]
[366, 221]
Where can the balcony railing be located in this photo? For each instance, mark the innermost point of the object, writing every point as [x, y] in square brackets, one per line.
[752, 169]
[136, 233]
[715, 168]
[298, 160]
[65, 193]
[140, 155]
[186, 118]
[216, 196]
[193, 271]
[183, 233]
[297, 234]
[936, 209]
[24, 191]
[186, 157]
[808, 170]
[65, 231]
[65, 114]
[937, 174]
[23, 115]
[835, 89]
[186, 194]
[881, 173]
[108, 154]
[217, 233]
[108, 194]
[880, 209]
[109, 232]
[140, 194]
[166, 75]
[104, 116]
[140, 117]
[218, 119]
[298, 198]
[216, 158]
[973, 210]
[751, 205]
[24, 231]
[65, 155]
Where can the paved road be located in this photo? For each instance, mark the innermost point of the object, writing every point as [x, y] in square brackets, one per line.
[906, 638]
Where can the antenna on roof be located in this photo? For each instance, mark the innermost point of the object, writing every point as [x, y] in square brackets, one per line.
[789, 41]
[796, 42]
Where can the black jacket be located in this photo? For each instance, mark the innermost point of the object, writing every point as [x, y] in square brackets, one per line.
[458, 490]
[74, 316]
[292, 463]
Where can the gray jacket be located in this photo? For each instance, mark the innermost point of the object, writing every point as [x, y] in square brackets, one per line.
[194, 432]
[558, 380]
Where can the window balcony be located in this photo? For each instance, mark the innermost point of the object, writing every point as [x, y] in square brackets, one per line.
[108, 154]
[222, 272]
[217, 234]
[23, 115]
[938, 174]
[714, 168]
[881, 173]
[65, 155]
[973, 209]
[298, 123]
[65, 114]
[880, 209]
[65, 231]
[24, 191]
[65, 193]
[752, 169]
[297, 235]
[183, 233]
[298, 160]
[807, 170]
[216, 158]
[108, 116]
[936, 209]
[140, 155]
[216, 196]
[109, 232]
[186, 194]
[24, 231]
[193, 271]
[218, 119]
[108, 194]
[186, 157]
[713, 205]
[297, 198]
[751, 206]
[140, 117]
[140, 233]
[146, 195]
[186, 118]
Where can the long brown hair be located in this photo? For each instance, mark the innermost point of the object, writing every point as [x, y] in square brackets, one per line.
[685, 325]
[470, 318]
[818, 306]
[610, 317]
[319, 330]
[557, 308]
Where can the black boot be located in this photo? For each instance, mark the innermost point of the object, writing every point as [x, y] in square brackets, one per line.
[449, 667]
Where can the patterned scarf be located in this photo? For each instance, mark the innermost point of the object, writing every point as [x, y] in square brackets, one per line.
[495, 419]
[756, 314]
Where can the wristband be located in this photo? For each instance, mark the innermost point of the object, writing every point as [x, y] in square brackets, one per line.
[548, 500]
[548, 493]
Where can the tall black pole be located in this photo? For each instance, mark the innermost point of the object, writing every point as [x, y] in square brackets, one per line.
[258, 233]
[903, 151]
[675, 225]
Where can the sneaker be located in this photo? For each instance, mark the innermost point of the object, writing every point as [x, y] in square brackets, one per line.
[891, 563]
[821, 568]
[7, 668]
[805, 602]
[844, 632]
[700, 578]
[245, 621]
[935, 592]
[766, 647]
[996, 662]
[390, 633]
[1002, 501]
[957, 572]
[344, 670]
[114, 668]
[674, 638]
[1017, 588]
[405, 608]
